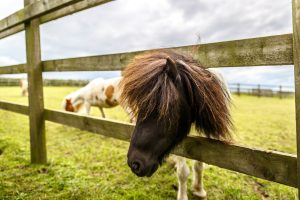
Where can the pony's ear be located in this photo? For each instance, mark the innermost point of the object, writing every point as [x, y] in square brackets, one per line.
[171, 69]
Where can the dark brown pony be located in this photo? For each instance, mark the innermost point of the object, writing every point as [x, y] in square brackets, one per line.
[167, 92]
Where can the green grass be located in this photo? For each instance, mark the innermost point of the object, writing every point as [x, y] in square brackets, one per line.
[83, 165]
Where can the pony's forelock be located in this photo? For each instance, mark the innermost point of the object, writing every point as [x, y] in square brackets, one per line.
[147, 88]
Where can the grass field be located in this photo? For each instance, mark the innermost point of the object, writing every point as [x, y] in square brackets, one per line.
[83, 165]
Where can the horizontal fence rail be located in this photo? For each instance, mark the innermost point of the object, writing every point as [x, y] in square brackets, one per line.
[262, 90]
[46, 82]
[268, 165]
[18, 108]
[12, 31]
[79, 6]
[272, 50]
[32, 11]
[13, 69]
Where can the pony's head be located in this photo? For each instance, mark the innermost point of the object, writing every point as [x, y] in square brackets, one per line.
[69, 106]
[167, 92]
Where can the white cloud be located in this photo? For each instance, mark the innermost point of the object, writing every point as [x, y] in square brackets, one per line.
[8, 7]
[128, 25]
[277, 75]
[7, 60]
[13, 47]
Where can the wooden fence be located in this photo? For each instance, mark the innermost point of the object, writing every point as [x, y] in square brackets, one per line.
[272, 50]
[46, 82]
[262, 90]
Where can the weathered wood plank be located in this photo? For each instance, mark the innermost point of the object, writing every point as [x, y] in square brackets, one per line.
[33, 10]
[35, 90]
[13, 69]
[12, 31]
[91, 63]
[109, 128]
[275, 50]
[296, 51]
[77, 7]
[13, 107]
[57, 14]
[269, 165]
[272, 50]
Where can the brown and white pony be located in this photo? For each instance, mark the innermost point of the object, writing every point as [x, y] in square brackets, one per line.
[168, 92]
[24, 87]
[99, 93]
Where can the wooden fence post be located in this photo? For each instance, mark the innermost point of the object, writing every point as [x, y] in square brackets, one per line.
[280, 92]
[296, 53]
[36, 99]
[258, 90]
[238, 89]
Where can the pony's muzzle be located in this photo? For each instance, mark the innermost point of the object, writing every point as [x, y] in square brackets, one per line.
[137, 167]
[141, 169]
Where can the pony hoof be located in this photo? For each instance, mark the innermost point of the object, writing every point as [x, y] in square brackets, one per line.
[200, 195]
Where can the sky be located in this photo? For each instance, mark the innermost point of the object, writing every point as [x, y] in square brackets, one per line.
[130, 25]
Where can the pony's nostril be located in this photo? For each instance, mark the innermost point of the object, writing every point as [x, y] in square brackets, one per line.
[136, 167]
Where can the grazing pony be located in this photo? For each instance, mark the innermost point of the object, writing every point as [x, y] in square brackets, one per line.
[99, 92]
[24, 87]
[167, 92]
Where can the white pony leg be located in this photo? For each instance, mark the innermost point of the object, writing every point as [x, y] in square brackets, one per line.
[183, 172]
[86, 109]
[198, 168]
[102, 112]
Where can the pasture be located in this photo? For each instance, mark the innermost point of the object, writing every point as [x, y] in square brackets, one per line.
[82, 165]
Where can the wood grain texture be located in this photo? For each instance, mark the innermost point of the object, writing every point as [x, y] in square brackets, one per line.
[13, 107]
[77, 7]
[12, 31]
[35, 91]
[33, 10]
[268, 165]
[104, 127]
[296, 51]
[272, 50]
[74, 8]
[13, 69]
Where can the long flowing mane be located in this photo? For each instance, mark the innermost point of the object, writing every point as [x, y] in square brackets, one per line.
[148, 88]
